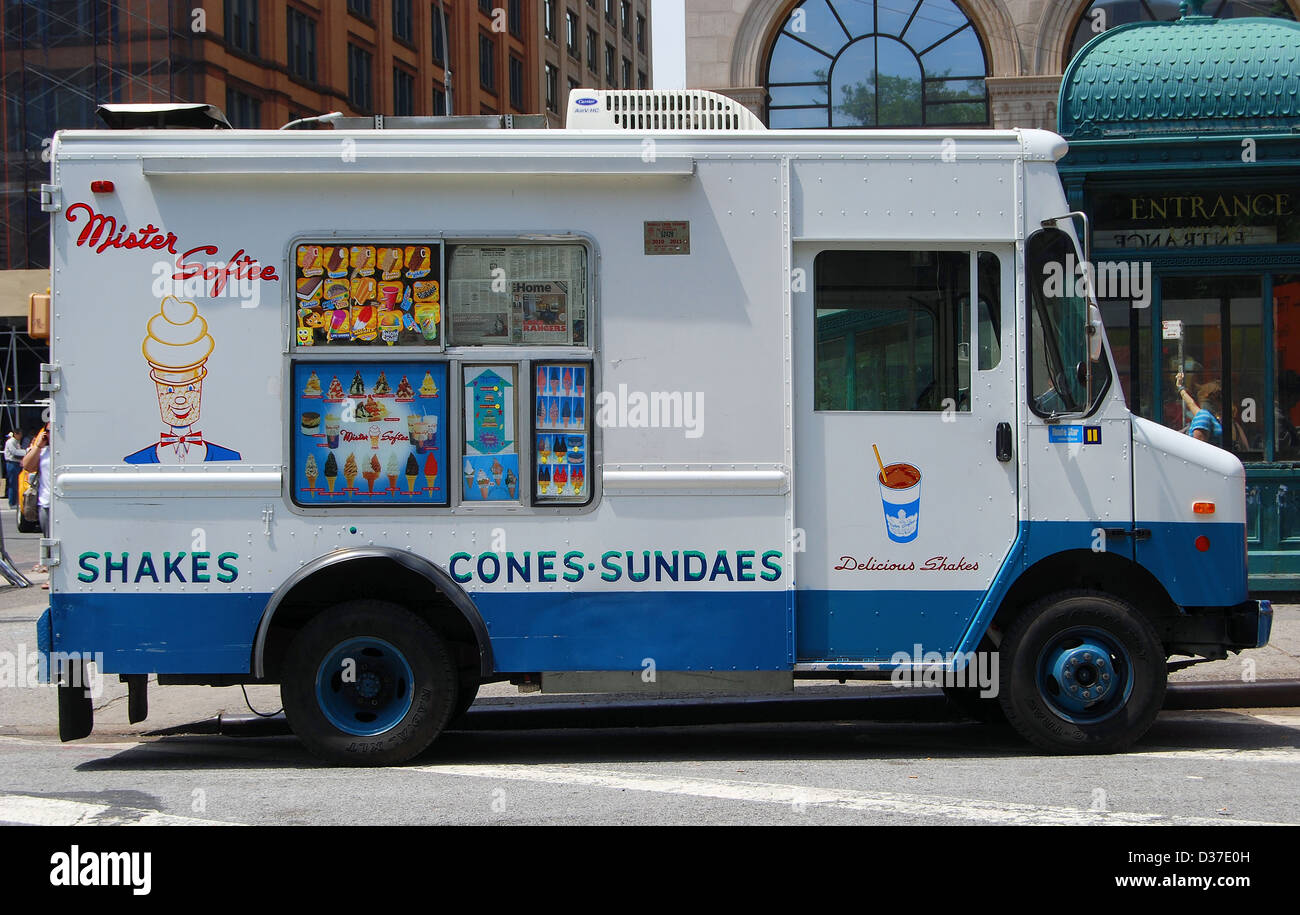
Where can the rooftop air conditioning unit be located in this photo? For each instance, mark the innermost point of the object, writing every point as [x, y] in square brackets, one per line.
[693, 110]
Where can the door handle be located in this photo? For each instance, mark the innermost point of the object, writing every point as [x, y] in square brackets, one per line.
[1004, 442]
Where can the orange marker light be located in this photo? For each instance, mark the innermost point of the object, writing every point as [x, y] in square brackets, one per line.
[1203, 543]
[1203, 508]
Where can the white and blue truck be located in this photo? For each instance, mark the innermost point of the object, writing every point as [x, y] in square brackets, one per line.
[382, 414]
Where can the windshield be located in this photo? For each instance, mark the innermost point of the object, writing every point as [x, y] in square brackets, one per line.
[1058, 316]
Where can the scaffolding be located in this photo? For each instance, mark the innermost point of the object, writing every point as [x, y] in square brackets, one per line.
[58, 60]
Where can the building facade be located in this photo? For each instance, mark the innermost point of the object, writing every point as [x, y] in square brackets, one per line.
[1189, 174]
[600, 44]
[934, 63]
[267, 62]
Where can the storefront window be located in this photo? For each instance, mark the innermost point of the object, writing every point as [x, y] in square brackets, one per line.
[1286, 391]
[1211, 330]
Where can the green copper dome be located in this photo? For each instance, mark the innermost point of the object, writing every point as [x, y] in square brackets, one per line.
[1197, 75]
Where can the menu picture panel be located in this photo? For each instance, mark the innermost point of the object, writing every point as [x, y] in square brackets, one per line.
[369, 433]
[561, 432]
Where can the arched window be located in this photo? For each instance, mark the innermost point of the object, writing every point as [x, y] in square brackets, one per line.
[1106, 14]
[877, 63]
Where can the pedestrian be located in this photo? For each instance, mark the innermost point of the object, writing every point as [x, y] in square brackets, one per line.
[1207, 408]
[37, 459]
[13, 465]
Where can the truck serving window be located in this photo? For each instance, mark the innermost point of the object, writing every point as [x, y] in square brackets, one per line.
[893, 330]
[368, 293]
[1058, 310]
[517, 294]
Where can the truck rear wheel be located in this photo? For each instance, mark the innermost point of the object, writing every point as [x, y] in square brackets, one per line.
[368, 683]
[1082, 672]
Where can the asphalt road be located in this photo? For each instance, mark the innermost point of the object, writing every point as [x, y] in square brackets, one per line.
[1194, 768]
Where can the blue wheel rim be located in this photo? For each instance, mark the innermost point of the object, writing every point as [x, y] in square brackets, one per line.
[364, 686]
[1084, 675]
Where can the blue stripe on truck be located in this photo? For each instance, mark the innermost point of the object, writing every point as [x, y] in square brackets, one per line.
[213, 633]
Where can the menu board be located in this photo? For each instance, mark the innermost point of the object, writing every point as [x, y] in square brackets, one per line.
[517, 294]
[370, 433]
[368, 294]
[490, 468]
[561, 431]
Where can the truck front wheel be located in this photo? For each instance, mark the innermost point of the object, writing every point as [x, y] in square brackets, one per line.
[368, 683]
[1082, 672]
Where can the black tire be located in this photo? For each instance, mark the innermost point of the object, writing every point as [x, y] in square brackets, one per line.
[1081, 672]
[967, 702]
[465, 697]
[412, 646]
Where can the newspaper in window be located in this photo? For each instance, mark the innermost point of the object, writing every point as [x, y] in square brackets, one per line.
[517, 294]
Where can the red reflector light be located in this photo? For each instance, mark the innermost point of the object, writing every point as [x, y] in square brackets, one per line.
[101, 187]
[1203, 508]
[1203, 543]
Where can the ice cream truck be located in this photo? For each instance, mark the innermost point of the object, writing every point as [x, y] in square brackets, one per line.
[659, 401]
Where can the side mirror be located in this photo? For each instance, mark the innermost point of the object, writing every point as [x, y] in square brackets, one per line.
[1094, 332]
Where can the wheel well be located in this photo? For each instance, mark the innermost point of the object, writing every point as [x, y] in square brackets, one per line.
[1088, 570]
[377, 578]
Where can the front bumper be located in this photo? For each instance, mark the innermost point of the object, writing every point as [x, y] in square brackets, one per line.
[1250, 624]
[1212, 632]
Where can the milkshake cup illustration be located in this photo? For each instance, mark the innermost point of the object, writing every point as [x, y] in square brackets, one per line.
[411, 420]
[900, 493]
[332, 430]
[374, 438]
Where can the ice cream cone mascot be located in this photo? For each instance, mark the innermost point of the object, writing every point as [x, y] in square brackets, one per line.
[176, 348]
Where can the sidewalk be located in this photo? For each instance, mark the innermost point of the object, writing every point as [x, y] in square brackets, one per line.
[33, 710]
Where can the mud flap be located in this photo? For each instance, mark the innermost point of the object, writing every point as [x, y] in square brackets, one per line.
[76, 710]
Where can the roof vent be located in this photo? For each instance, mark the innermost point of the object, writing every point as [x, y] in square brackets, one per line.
[695, 110]
[164, 116]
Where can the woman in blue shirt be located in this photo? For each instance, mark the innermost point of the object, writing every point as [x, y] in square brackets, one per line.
[1207, 407]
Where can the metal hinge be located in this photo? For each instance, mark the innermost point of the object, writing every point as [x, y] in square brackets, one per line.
[268, 515]
[51, 198]
[49, 376]
[50, 552]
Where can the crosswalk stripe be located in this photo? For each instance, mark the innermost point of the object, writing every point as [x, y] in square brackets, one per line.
[796, 796]
[26, 810]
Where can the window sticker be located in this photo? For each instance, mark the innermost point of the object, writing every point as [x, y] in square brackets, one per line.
[367, 294]
[490, 467]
